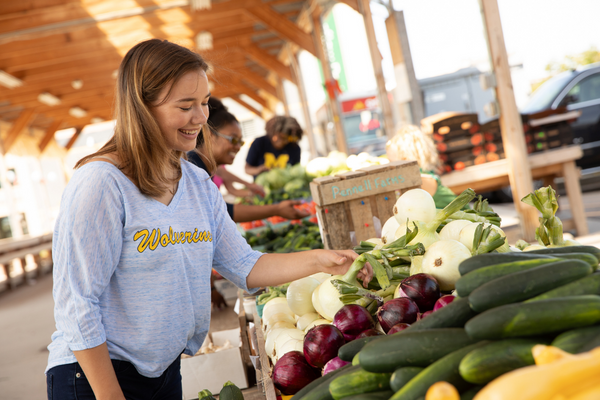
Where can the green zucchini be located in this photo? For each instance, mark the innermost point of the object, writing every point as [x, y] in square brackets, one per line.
[470, 394]
[591, 345]
[454, 315]
[488, 259]
[411, 348]
[402, 375]
[319, 388]
[587, 285]
[355, 360]
[351, 349]
[536, 318]
[574, 340]
[205, 394]
[358, 382]
[523, 285]
[444, 369]
[595, 251]
[230, 392]
[384, 395]
[471, 281]
[486, 363]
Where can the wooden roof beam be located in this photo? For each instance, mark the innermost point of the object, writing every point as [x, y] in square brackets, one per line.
[237, 98]
[268, 61]
[17, 127]
[283, 26]
[49, 134]
[73, 138]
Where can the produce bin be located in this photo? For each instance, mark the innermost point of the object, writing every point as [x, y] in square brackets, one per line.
[348, 202]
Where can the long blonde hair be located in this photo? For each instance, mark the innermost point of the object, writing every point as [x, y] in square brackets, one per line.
[410, 143]
[144, 156]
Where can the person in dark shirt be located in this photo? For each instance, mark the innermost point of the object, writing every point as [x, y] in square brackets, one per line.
[225, 144]
[278, 148]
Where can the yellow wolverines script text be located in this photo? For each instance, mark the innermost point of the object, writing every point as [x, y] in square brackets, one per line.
[152, 239]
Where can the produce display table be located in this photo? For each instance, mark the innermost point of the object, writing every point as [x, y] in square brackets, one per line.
[546, 166]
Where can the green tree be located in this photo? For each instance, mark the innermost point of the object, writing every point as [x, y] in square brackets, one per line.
[592, 55]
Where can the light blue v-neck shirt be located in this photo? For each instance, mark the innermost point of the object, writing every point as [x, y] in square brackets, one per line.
[135, 273]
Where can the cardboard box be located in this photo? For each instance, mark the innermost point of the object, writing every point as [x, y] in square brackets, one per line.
[211, 371]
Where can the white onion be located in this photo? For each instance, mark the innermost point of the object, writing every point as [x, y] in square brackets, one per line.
[280, 317]
[316, 322]
[505, 248]
[290, 345]
[375, 241]
[452, 229]
[320, 276]
[467, 234]
[279, 308]
[424, 235]
[441, 261]
[299, 295]
[272, 303]
[270, 340]
[279, 325]
[306, 319]
[389, 229]
[416, 265]
[415, 205]
[328, 298]
[534, 247]
[286, 335]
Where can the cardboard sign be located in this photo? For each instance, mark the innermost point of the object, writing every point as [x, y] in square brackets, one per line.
[366, 182]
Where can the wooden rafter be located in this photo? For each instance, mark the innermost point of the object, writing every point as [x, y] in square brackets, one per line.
[246, 105]
[268, 61]
[73, 138]
[49, 134]
[17, 127]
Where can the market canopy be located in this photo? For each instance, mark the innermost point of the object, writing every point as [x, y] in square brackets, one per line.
[61, 56]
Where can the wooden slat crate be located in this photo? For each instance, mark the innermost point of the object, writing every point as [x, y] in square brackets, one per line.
[348, 202]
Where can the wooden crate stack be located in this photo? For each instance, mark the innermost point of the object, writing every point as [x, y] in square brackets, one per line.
[348, 202]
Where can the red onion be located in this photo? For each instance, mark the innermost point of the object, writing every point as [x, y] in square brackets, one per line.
[398, 327]
[426, 313]
[353, 319]
[369, 332]
[423, 289]
[321, 344]
[443, 301]
[334, 364]
[292, 373]
[395, 311]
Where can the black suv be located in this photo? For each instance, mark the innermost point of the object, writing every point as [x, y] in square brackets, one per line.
[574, 97]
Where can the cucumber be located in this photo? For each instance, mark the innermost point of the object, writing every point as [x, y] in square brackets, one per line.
[355, 360]
[524, 285]
[595, 251]
[486, 363]
[358, 382]
[586, 285]
[488, 259]
[471, 281]
[385, 395]
[402, 375]
[536, 318]
[319, 388]
[444, 369]
[470, 393]
[573, 341]
[591, 345]
[411, 348]
[351, 349]
[454, 315]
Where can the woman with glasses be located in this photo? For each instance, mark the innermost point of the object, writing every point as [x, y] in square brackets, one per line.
[277, 149]
[226, 141]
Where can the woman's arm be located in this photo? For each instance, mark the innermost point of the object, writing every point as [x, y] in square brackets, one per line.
[429, 184]
[99, 372]
[285, 209]
[250, 170]
[276, 269]
[229, 179]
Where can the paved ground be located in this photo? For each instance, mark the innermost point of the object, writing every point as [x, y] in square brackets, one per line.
[26, 320]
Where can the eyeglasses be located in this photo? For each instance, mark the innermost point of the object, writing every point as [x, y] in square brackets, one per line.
[231, 139]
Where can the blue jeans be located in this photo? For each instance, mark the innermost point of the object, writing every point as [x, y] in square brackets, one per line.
[68, 382]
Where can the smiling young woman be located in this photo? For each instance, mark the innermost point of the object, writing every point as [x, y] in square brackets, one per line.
[138, 233]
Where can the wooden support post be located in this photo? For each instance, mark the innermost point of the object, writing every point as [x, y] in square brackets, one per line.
[73, 138]
[17, 127]
[49, 135]
[511, 125]
[334, 106]
[405, 71]
[281, 95]
[382, 94]
[299, 81]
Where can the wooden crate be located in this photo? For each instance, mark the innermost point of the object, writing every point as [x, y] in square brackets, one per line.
[348, 202]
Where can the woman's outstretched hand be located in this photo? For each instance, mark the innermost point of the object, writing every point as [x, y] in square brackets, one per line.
[287, 210]
[337, 262]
